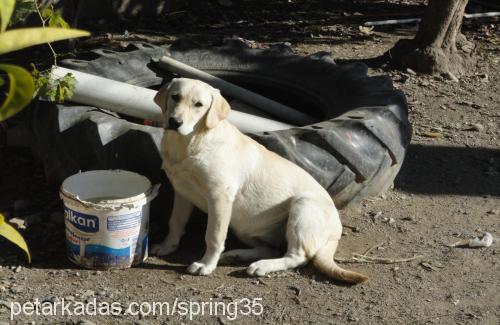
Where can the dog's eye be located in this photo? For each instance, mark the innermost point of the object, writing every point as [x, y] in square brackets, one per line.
[198, 104]
[175, 97]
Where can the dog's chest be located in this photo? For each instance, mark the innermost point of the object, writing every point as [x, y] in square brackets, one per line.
[186, 179]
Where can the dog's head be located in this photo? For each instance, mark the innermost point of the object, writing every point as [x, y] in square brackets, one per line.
[190, 105]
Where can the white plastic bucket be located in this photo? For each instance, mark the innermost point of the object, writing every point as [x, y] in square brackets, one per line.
[107, 218]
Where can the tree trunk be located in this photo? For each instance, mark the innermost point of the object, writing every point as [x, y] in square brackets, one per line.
[434, 48]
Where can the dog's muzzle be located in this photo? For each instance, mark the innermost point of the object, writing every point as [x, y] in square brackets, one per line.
[173, 123]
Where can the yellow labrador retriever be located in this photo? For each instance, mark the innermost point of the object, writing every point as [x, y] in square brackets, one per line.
[269, 202]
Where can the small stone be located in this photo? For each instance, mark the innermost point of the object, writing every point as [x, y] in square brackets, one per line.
[452, 77]
[375, 215]
[18, 269]
[477, 127]
[18, 223]
[437, 129]
[411, 71]
[492, 211]
[69, 298]
[101, 293]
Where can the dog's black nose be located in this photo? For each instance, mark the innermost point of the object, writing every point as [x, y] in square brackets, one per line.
[174, 123]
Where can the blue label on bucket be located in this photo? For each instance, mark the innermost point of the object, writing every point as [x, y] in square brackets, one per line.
[103, 256]
[83, 222]
[124, 221]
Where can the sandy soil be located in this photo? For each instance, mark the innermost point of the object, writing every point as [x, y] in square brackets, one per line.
[448, 190]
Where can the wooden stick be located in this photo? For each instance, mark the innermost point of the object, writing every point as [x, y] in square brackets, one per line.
[360, 258]
[375, 259]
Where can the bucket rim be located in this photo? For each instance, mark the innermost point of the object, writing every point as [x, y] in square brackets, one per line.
[131, 201]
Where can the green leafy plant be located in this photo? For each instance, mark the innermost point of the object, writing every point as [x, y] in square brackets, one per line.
[54, 18]
[21, 85]
[11, 234]
[22, 10]
[55, 90]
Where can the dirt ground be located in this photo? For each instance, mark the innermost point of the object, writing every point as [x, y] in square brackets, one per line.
[448, 190]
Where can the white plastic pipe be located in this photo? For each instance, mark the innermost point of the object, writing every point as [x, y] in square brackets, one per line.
[268, 105]
[138, 102]
[417, 20]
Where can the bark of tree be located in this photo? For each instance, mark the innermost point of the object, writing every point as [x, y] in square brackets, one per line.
[438, 47]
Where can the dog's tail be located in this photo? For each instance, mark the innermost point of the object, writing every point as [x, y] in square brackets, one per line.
[323, 260]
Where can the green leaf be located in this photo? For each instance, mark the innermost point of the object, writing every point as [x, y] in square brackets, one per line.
[41, 78]
[23, 9]
[21, 89]
[16, 39]
[6, 9]
[14, 236]
[66, 87]
[56, 20]
[47, 12]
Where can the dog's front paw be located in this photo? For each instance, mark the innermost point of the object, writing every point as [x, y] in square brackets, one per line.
[260, 268]
[198, 268]
[163, 249]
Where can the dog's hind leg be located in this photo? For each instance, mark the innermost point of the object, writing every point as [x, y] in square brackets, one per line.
[249, 254]
[289, 261]
[307, 230]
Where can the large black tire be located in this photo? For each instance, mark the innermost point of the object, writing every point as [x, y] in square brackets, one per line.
[355, 152]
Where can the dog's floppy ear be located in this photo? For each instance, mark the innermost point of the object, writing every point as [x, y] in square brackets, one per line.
[218, 111]
[162, 95]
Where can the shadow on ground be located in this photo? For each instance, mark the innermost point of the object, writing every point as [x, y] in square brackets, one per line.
[450, 170]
